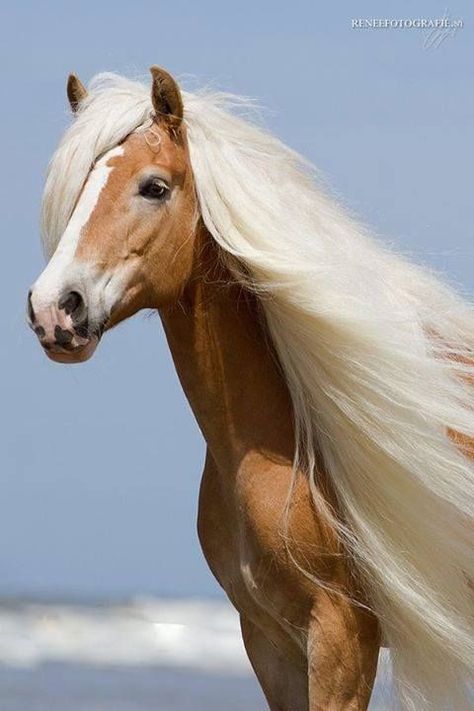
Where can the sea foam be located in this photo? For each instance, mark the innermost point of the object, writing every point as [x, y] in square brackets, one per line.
[195, 634]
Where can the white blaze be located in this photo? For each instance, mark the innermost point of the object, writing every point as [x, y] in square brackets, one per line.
[61, 267]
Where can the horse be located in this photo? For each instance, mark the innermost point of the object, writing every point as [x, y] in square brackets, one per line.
[330, 376]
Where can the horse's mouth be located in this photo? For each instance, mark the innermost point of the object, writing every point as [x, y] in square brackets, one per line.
[78, 354]
[77, 349]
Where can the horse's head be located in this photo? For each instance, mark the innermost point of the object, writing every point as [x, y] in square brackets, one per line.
[128, 244]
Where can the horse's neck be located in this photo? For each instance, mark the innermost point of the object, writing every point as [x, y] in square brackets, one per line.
[228, 370]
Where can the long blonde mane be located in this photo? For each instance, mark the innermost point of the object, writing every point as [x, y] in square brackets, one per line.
[377, 353]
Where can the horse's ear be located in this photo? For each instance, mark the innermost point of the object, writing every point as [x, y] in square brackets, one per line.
[76, 91]
[166, 96]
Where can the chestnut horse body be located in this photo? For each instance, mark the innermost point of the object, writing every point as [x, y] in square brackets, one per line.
[310, 648]
[137, 239]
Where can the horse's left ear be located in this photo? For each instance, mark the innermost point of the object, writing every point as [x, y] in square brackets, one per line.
[166, 96]
[76, 91]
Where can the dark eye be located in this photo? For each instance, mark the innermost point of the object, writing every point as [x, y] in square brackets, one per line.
[153, 189]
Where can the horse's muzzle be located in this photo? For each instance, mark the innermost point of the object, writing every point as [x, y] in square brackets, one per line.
[63, 327]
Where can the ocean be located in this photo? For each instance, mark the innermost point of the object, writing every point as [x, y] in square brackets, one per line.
[142, 655]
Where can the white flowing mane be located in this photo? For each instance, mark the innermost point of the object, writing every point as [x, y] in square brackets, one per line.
[378, 355]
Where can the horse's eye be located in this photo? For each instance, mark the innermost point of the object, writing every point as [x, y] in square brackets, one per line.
[153, 189]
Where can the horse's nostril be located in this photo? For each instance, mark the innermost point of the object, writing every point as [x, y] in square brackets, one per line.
[72, 303]
[31, 311]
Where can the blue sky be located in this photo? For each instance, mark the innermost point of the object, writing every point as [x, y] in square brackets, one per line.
[100, 463]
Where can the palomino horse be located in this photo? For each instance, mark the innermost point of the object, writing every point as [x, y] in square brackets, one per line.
[335, 509]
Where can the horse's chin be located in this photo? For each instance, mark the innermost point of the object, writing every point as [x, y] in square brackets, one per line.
[77, 355]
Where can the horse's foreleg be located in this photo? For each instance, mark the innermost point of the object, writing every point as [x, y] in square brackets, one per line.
[343, 646]
[284, 683]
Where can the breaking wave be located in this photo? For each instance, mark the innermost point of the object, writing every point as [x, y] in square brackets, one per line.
[201, 635]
